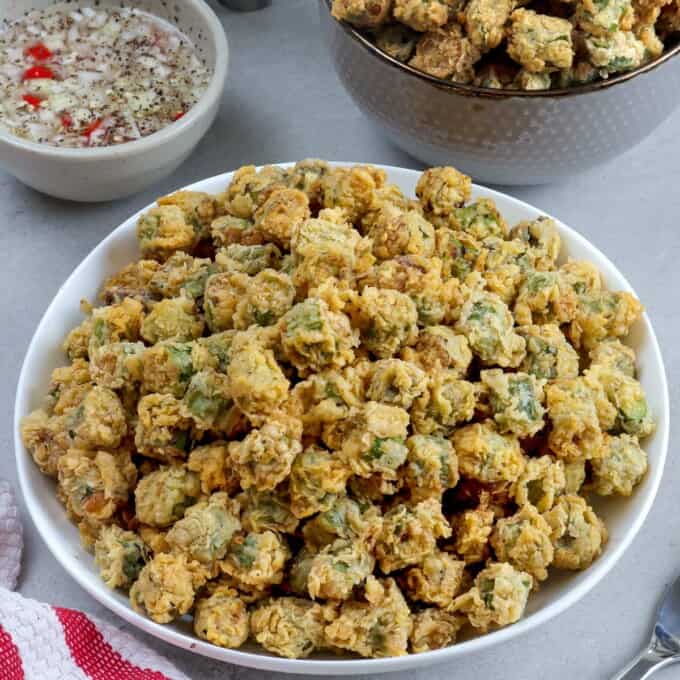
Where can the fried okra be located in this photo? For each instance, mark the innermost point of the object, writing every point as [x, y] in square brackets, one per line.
[322, 415]
[540, 42]
[166, 587]
[397, 40]
[120, 556]
[377, 625]
[290, 626]
[222, 618]
[487, 323]
[409, 534]
[498, 597]
[577, 533]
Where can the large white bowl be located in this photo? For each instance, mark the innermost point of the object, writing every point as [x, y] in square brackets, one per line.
[623, 517]
[107, 173]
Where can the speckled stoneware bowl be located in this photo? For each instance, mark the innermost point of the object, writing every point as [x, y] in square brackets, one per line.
[502, 136]
[106, 173]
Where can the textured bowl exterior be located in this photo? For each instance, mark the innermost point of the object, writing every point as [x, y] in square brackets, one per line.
[501, 139]
[108, 173]
[562, 590]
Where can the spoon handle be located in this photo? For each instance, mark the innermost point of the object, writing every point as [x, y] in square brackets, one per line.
[645, 665]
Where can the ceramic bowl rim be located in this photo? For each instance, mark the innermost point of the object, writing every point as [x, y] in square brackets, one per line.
[164, 136]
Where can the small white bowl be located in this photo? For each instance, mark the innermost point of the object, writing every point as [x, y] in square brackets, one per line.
[623, 517]
[107, 173]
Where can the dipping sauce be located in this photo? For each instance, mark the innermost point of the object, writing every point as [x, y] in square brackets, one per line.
[95, 77]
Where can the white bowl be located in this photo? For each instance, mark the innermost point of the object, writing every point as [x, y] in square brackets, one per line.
[623, 517]
[107, 173]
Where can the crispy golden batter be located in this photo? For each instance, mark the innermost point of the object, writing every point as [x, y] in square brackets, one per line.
[322, 415]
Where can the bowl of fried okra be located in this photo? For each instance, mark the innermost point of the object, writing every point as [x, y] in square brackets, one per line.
[510, 92]
[339, 420]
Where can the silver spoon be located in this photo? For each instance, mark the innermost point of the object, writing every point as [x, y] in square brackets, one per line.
[664, 648]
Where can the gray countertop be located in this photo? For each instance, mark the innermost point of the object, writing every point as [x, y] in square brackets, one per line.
[283, 102]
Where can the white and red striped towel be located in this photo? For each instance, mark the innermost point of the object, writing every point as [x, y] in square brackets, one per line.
[42, 642]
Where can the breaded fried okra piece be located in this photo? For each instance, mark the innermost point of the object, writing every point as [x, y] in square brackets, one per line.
[317, 477]
[249, 189]
[167, 368]
[498, 597]
[353, 189]
[614, 355]
[434, 629]
[396, 382]
[409, 534]
[485, 22]
[166, 587]
[397, 40]
[604, 17]
[422, 15]
[199, 209]
[577, 533]
[182, 275]
[387, 320]
[46, 439]
[540, 42]
[248, 259]
[396, 232]
[280, 213]
[486, 455]
[627, 397]
[206, 529]
[438, 579]
[98, 421]
[68, 387]
[117, 365]
[543, 240]
[256, 560]
[162, 496]
[207, 401]
[306, 176]
[164, 230]
[545, 297]
[346, 518]
[542, 481]
[162, 431]
[376, 626]
[222, 618]
[516, 401]
[323, 249]
[575, 434]
[487, 323]
[93, 485]
[116, 323]
[265, 457]
[173, 319]
[290, 626]
[314, 338]
[338, 568]
[439, 347]
[132, 281]
[120, 556]
[256, 382]
[442, 190]
[472, 529]
[262, 510]
[548, 353]
[447, 403]
[212, 351]
[620, 51]
[621, 468]
[223, 292]
[446, 53]
[601, 316]
[211, 463]
[524, 541]
[362, 13]
[480, 220]
[431, 468]
[374, 440]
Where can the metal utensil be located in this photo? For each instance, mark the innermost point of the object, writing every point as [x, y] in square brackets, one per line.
[245, 5]
[664, 648]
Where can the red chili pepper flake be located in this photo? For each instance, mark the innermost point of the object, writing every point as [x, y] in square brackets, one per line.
[36, 72]
[32, 100]
[66, 120]
[90, 129]
[39, 52]
[181, 114]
